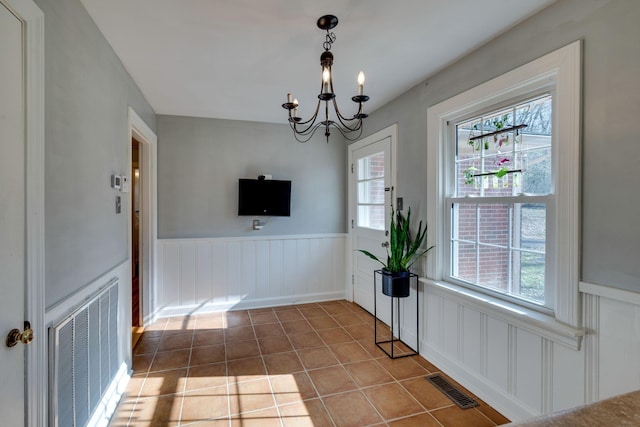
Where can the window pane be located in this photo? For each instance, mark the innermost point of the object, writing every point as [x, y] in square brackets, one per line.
[371, 166]
[467, 181]
[371, 216]
[466, 220]
[466, 266]
[501, 247]
[371, 191]
[506, 152]
[529, 269]
[494, 224]
[529, 226]
[493, 268]
[536, 164]
[529, 233]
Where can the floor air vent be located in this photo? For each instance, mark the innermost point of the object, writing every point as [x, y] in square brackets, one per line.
[458, 397]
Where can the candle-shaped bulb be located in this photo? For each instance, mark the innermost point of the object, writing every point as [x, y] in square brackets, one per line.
[326, 75]
[360, 82]
[295, 108]
[289, 98]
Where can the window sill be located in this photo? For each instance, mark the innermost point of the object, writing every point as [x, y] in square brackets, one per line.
[541, 324]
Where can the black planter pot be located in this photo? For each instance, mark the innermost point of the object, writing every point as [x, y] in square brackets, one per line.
[397, 284]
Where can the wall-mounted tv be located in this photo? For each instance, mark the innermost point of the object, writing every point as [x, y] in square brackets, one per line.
[264, 197]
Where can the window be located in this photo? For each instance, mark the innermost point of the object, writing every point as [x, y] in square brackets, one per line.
[370, 182]
[500, 193]
[503, 191]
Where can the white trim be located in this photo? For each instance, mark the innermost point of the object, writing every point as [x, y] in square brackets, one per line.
[559, 70]
[149, 229]
[591, 316]
[36, 353]
[392, 133]
[241, 304]
[71, 303]
[257, 238]
[615, 294]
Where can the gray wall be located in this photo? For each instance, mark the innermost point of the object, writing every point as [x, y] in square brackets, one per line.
[611, 108]
[200, 161]
[87, 94]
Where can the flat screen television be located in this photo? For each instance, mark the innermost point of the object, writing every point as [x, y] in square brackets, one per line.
[264, 197]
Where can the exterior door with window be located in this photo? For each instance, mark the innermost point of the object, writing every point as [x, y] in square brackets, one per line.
[371, 189]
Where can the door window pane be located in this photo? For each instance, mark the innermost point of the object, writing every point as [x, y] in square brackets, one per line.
[371, 192]
[371, 166]
[371, 216]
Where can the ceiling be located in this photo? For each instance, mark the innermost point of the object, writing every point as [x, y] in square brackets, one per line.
[238, 59]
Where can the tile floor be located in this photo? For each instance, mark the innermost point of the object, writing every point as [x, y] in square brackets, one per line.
[302, 365]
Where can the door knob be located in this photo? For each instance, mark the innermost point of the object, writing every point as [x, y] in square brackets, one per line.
[15, 336]
[385, 245]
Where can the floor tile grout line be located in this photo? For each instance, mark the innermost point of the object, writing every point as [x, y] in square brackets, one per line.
[188, 368]
[266, 371]
[306, 371]
[146, 377]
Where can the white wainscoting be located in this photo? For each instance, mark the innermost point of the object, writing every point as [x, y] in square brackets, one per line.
[212, 274]
[523, 373]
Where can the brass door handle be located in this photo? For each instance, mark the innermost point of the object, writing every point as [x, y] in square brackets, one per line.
[15, 336]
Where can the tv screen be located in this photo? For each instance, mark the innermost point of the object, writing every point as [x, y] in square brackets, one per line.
[264, 197]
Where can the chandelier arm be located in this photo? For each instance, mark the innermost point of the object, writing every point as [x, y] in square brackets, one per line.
[346, 134]
[350, 124]
[345, 120]
[308, 135]
[311, 121]
[346, 129]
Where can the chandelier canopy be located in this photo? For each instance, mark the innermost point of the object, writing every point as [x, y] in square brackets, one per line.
[350, 128]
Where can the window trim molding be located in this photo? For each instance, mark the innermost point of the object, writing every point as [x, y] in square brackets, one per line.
[561, 71]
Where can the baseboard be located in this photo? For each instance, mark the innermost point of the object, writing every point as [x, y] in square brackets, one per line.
[107, 407]
[506, 404]
[240, 304]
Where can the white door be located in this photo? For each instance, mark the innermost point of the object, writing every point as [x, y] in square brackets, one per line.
[371, 192]
[12, 216]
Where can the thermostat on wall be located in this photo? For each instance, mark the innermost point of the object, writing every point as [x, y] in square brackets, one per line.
[116, 182]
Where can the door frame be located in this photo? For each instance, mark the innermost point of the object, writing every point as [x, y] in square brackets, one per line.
[148, 145]
[392, 133]
[36, 374]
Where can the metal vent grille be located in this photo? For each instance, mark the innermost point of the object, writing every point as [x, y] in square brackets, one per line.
[83, 358]
[449, 390]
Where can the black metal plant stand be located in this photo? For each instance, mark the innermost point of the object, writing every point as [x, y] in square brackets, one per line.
[393, 340]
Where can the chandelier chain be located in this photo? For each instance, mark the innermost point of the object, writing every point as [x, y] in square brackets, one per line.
[329, 40]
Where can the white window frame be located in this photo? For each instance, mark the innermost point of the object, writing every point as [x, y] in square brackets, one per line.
[557, 72]
[546, 199]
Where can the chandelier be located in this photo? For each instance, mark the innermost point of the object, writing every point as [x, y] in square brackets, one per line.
[303, 130]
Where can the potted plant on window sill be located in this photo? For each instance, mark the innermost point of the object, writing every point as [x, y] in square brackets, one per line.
[402, 251]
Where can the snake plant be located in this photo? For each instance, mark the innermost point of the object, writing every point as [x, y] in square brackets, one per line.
[404, 248]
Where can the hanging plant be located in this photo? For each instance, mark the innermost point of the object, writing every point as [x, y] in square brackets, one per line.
[470, 175]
